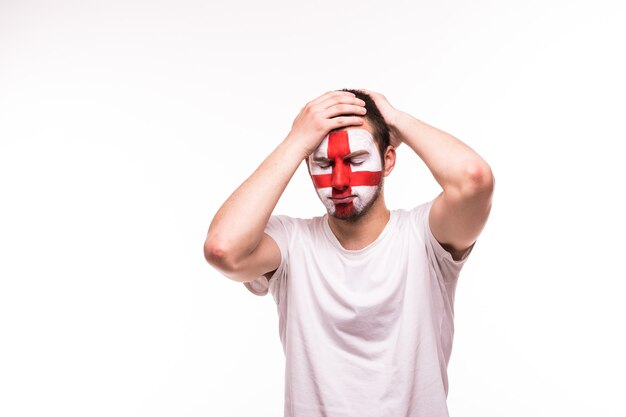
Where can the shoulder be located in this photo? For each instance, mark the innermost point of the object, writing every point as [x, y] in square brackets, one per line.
[414, 218]
[420, 219]
[281, 223]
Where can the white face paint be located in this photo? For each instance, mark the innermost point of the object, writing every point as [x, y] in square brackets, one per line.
[346, 169]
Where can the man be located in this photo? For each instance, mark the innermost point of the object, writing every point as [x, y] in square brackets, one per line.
[365, 295]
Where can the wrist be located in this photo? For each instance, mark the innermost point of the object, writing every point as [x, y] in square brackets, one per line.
[294, 146]
[398, 119]
[397, 125]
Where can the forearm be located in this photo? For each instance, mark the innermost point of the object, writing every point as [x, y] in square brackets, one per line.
[454, 165]
[238, 225]
[457, 215]
[235, 242]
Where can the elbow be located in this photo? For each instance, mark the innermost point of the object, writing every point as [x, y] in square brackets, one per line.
[218, 255]
[213, 252]
[479, 179]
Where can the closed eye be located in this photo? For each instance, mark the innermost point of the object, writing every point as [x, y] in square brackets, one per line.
[357, 161]
[358, 157]
[323, 164]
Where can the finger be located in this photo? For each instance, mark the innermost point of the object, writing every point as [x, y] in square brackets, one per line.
[343, 109]
[335, 96]
[340, 101]
[329, 94]
[370, 92]
[377, 97]
[343, 121]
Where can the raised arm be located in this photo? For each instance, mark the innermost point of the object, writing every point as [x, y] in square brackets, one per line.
[236, 244]
[460, 212]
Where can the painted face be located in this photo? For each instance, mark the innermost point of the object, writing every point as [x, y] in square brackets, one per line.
[346, 170]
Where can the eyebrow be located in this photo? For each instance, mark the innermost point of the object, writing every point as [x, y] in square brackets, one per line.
[356, 153]
[350, 155]
[320, 158]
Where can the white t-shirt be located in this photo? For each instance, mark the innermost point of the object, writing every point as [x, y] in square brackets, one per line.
[365, 332]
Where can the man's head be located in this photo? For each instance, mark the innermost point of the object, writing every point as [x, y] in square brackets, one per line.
[348, 166]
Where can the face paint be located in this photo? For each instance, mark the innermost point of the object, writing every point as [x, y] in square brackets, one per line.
[346, 170]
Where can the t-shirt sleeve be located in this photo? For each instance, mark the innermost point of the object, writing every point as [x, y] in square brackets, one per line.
[446, 267]
[277, 228]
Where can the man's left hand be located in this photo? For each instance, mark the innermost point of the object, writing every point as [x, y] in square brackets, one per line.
[390, 115]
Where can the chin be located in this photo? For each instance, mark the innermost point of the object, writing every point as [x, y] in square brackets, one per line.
[360, 206]
[350, 215]
[353, 212]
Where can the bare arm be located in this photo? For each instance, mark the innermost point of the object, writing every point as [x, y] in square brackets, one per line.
[460, 212]
[236, 244]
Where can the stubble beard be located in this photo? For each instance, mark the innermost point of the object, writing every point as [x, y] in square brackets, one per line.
[356, 214]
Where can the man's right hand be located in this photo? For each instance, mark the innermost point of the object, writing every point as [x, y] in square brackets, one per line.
[332, 110]
[236, 243]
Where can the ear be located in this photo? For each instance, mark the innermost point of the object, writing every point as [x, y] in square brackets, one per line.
[389, 159]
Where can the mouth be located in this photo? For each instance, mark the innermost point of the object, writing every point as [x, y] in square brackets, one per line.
[343, 200]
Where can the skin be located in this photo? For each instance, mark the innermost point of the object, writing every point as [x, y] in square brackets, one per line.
[347, 197]
[460, 212]
[354, 234]
[236, 243]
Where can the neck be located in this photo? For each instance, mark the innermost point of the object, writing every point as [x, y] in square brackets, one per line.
[355, 235]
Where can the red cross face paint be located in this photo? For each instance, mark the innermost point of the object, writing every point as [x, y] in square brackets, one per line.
[346, 170]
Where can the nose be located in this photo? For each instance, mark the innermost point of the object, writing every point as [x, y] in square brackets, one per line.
[340, 178]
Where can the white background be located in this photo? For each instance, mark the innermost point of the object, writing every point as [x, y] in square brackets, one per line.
[125, 124]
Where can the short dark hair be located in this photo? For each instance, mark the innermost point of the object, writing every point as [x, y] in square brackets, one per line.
[376, 119]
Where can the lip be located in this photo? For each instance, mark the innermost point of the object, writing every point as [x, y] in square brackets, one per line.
[343, 200]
